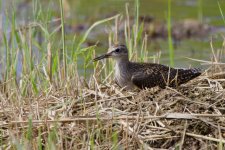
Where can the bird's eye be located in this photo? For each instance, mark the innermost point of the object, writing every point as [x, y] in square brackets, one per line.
[117, 50]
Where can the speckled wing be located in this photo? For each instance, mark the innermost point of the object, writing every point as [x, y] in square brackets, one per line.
[162, 76]
[150, 77]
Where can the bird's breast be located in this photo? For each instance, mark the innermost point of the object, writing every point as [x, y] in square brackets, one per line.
[123, 77]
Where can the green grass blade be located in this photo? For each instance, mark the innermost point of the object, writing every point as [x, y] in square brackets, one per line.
[170, 40]
[94, 25]
[29, 130]
[115, 140]
[221, 11]
[63, 39]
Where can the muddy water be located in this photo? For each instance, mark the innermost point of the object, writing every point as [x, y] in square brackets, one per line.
[201, 11]
[80, 14]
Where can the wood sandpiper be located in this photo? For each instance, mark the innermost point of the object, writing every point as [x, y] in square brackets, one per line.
[129, 74]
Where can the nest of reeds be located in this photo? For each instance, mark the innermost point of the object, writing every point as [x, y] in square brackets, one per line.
[103, 116]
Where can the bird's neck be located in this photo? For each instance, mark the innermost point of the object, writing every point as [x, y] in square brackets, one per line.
[121, 67]
[122, 61]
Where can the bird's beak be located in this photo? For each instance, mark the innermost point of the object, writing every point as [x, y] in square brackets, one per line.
[107, 55]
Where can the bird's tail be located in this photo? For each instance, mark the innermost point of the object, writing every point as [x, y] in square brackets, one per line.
[185, 75]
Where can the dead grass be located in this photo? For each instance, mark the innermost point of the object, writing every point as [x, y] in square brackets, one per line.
[102, 116]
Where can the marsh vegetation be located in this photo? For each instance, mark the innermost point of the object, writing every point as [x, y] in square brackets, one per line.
[52, 96]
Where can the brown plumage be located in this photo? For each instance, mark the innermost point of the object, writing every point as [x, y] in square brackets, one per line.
[146, 75]
[150, 75]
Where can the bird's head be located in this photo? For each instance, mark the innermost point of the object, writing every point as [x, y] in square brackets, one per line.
[117, 52]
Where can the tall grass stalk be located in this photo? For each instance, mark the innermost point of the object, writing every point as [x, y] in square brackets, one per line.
[11, 40]
[170, 40]
[49, 61]
[127, 27]
[200, 11]
[63, 39]
[134, 36]
[29, 130]
[136, 23]
[221, 12]
[5, 41]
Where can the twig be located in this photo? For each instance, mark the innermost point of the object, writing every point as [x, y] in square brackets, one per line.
[205, 137]
[183, 136]
[123, 117]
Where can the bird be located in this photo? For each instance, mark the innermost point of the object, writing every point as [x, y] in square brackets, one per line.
[131, 75]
